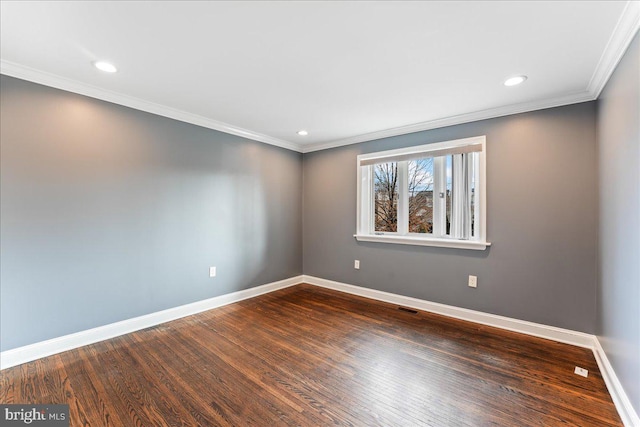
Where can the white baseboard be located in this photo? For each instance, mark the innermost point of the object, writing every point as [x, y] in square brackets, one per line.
[567, 336]
[35, 351]
[41, 349]
[580, 339]
[620, 399]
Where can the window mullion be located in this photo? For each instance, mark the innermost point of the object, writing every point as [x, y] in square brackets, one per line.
[439, 202]
[403, 198]
[469, 177]
[365, 203]
[372, 202]
[476, 197]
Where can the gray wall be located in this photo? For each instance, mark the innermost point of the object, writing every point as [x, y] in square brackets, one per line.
[619, 281]
[542, 220]
[109, 213]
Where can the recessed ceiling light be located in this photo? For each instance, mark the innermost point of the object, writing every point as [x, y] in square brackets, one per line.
[513, 81]
[105, 66]
[303, 133]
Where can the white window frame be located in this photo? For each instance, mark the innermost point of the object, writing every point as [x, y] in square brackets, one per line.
[365, 202]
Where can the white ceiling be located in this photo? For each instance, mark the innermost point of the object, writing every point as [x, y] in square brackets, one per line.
[344, 71]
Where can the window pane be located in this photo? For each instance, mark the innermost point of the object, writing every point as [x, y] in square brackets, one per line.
[420, 184]
[449, 191]
[385, 187]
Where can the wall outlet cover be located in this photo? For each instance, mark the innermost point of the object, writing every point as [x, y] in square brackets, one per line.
[581, 371]
[473, 281]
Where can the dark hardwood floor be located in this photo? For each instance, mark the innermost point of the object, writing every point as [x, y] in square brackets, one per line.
[309, 356]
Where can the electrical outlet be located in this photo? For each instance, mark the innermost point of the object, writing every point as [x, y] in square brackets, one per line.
[581, 371]
[356, 264]
[212, 272]
[473, 281]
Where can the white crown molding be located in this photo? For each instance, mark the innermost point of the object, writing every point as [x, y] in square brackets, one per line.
[579, 339]
[618, 43]
[622, 36]
[41, 77]
[628, 415]
[475, 116]
[20, 355]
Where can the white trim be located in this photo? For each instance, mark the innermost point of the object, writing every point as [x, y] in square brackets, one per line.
[41, 77]
[620, 399]
[618, 43]
[422, 241]
[566, 336]
[388, 155]
[475, 116]
[481, 198]
[48, 79]
[35, 351]
[580, 339]
[622, 36]
[41, 349]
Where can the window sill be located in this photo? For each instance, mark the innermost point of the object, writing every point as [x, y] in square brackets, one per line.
[422, 241]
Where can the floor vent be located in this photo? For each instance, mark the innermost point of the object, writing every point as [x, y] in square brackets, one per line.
[408, 310]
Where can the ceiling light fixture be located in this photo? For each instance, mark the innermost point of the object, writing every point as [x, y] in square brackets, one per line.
[303, 133]
[513, 81]
[105, 66]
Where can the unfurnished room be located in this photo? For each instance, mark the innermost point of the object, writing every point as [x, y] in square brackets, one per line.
[319, 213]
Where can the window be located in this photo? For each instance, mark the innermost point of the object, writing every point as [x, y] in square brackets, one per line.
[431, 195]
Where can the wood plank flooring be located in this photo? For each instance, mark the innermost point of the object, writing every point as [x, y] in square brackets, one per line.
[308, 356]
